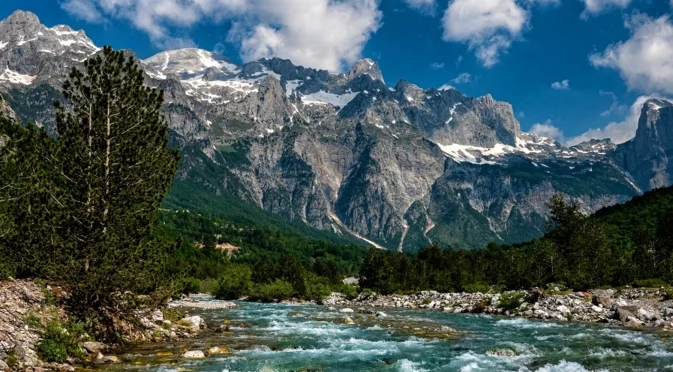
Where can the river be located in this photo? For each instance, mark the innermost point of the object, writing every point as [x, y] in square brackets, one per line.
[283, 337]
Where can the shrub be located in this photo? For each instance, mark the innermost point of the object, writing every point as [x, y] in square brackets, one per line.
[276, 291]
[649, 283]
[510, 301]
[350, 291]
[477, 288]
[234, 284]
[186, 286]
[668, 294]
[61, 341]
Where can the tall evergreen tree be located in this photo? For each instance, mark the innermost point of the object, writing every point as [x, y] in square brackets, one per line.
[96, 189]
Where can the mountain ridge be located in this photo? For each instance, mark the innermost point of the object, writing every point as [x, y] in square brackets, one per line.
[398, 167]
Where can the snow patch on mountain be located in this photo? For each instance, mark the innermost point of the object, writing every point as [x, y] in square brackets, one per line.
[324, 98]
[16, 78]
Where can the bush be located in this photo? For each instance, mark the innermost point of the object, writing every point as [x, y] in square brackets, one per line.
[350, 291]
[649, 283]
[510, 301]
[477, 288]
[276, 291]
[186, 286]
[234, 284]
[61, 341]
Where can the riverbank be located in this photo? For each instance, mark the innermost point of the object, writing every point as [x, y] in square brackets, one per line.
[30, 311]
[647, 308]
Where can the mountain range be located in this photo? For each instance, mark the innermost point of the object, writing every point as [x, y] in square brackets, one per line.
[396, 166]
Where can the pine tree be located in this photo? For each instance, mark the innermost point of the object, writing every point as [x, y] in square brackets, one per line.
[85, 203]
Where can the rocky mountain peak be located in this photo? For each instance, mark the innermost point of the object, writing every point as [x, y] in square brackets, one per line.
[189, 62]
[365, 67]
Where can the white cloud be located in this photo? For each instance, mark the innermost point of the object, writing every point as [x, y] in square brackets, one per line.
[615, 106]
[487, 26]
[561, 85]
[463, 78]
[593, 7]
[446, 87]
[618, 132]
[645, 60]
[427, 6]
[437, 65]
[84, 10]
[548, 129]
[318, 33]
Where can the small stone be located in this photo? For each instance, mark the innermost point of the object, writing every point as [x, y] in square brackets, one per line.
[194, 354]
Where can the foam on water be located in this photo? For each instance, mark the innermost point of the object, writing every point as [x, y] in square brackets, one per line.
[564, 366]
[405, 365]
[526, 324]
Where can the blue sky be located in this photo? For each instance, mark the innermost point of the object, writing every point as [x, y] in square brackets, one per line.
[567, 66]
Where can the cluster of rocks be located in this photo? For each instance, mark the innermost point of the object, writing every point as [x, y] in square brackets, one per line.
[628, 307]
[18, 340]
[24, 304]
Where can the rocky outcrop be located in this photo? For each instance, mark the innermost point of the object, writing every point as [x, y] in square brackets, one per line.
[646, 156]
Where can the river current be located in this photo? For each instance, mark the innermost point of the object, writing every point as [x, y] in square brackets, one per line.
[283, 337]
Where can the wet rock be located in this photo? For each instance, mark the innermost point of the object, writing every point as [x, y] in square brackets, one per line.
[348, 320]
[194, 354]
[381, 314]
[217, 351]
[105, 359]
[502, 352]
[346, 310]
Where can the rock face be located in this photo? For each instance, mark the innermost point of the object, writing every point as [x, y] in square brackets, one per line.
[396, 167]
[646, 156]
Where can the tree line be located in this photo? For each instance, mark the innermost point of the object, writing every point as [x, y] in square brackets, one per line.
[578, 251]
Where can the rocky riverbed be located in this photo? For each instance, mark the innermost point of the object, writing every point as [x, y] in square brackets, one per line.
[26, 309]
[628, 307]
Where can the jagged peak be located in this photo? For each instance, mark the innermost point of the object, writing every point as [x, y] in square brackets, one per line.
[656, 104]
[366, 66]
[22, 16]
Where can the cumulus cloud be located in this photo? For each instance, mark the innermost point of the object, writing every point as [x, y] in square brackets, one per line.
[318, 33]
[426, 6]
[548, 129]
[463, 78]
[593, 7]
[644, 60]
[561, 85]
[618, 131]
[487, 26]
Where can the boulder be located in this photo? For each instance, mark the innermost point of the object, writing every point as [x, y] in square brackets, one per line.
[194, 354]
[645, 315]
[348, 320]
[623, 314]
[668, 312]
[596, 309]
[603, 301]
[93, 347]
[195, 323]
[157, 316]
[346, 310]
[563, 309]
[381, 314]
[217, 351]
[100, 358]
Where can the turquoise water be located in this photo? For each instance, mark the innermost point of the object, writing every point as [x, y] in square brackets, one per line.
[278, 337]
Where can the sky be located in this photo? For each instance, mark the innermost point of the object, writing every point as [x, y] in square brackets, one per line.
[572, 69]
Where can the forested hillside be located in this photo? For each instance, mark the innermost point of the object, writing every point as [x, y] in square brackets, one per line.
[627, 244]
